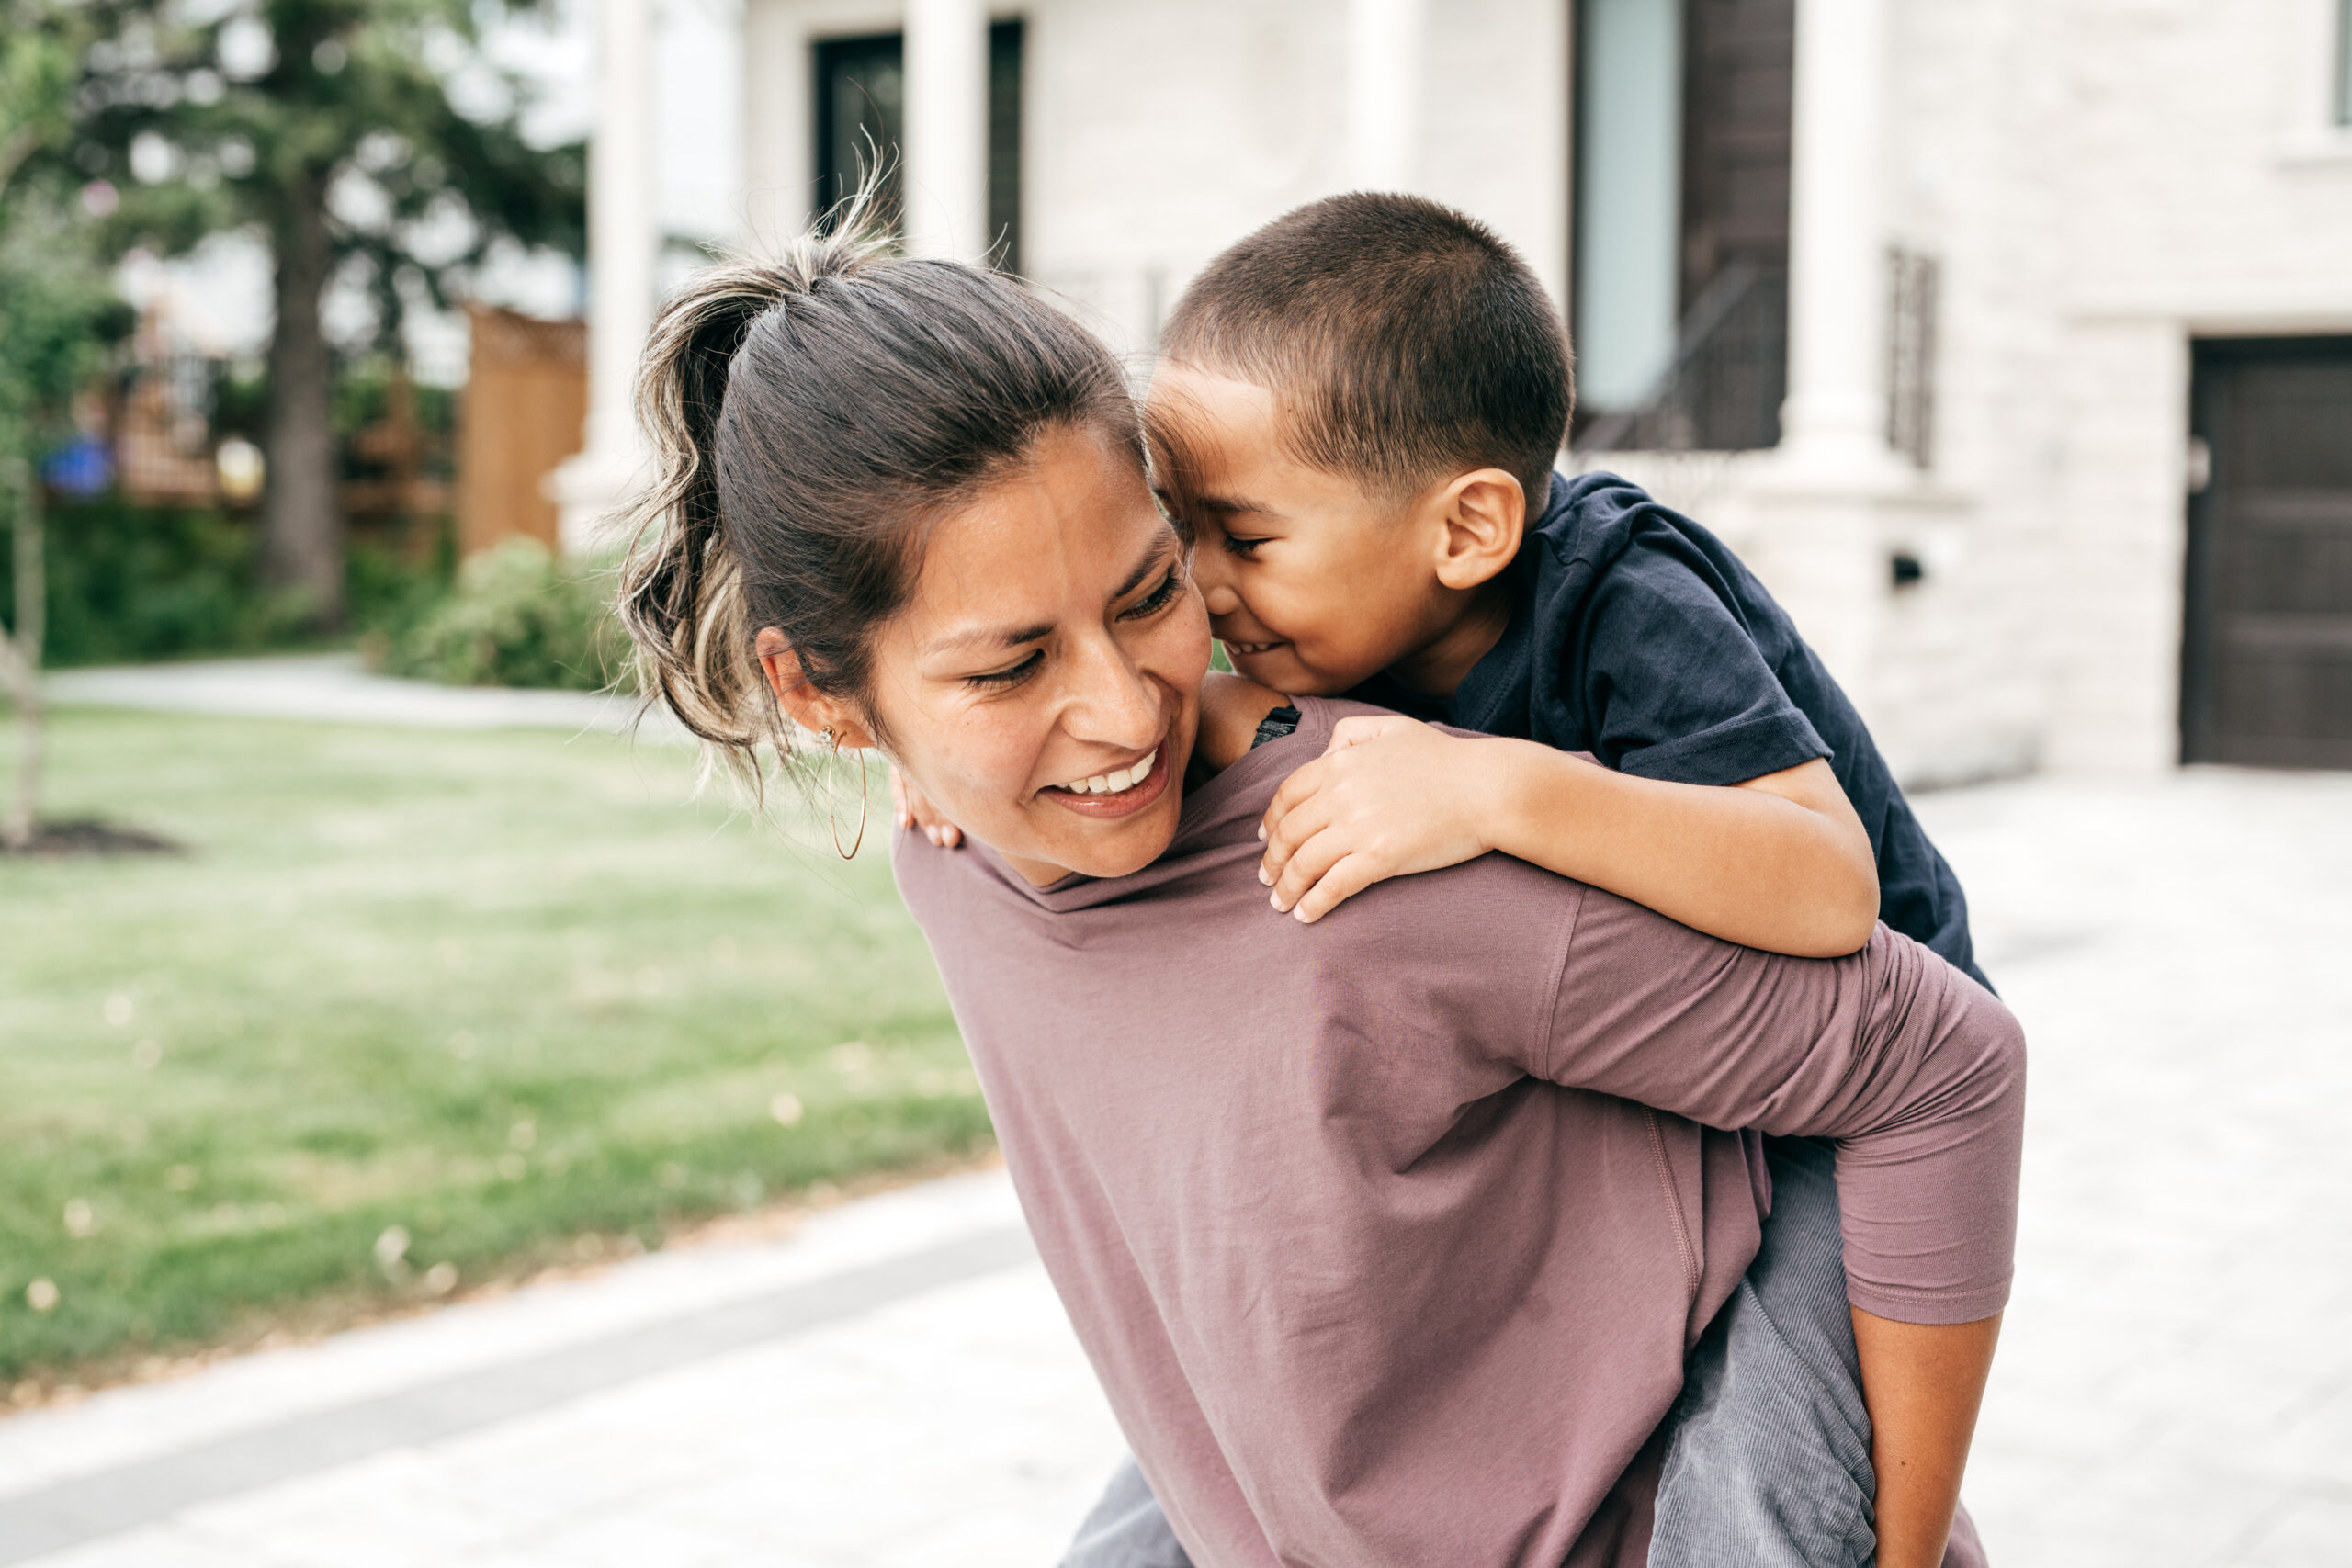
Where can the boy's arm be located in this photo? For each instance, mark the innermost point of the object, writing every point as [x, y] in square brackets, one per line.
[1779, 863]
[1923, 1383]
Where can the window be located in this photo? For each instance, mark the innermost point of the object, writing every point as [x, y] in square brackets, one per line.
[860, 113]
[1680, 298]
[2344, 61]
[1629, 187]
[1912, 283]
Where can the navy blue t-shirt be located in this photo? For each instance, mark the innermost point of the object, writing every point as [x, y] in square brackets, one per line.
[1639, 636]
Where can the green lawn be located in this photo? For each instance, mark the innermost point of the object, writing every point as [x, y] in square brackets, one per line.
[499, 991]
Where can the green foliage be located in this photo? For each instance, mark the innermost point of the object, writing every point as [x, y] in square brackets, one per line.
[57, 308]
[129, 583]
[496, 989]
[242, 115]
[519, 617]
[37, 60]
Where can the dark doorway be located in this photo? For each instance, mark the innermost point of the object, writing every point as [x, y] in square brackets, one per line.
[861, 117]
[861, 114]
[1680, 301]
[2266, 668]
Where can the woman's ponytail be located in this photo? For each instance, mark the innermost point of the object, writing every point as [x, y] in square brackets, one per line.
[807, 416]
[681, 591]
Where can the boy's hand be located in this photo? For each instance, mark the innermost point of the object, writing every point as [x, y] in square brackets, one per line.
[913, 811]
[1390, 796]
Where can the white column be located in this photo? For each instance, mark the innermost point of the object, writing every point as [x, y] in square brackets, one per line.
[778, 187]
[1835, 416]
[621, 245]
[948, 128]
[1834, 485]
[1384, 92]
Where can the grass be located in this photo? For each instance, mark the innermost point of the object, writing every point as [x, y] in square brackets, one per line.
[420, 1007]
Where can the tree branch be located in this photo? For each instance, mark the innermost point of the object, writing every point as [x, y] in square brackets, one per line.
[14, 673]
[15, 151]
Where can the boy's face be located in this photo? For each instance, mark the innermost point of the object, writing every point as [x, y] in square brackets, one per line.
[1312, 584]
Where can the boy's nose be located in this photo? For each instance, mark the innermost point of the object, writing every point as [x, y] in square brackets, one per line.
[1221, 599]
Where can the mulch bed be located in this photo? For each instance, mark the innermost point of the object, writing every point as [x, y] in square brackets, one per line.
[88, 835]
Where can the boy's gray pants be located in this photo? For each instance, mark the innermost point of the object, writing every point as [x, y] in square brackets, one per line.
[1768, 1459]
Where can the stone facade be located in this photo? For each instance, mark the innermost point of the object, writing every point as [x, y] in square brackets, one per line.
[2101, 181]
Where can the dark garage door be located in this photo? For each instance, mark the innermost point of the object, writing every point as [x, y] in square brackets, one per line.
[2266, 677]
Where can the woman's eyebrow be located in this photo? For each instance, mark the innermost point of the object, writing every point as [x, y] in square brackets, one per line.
[1013, 636]
[1152, 558]
[992, 637]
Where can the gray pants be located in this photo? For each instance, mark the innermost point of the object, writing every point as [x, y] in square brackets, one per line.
[1767, 1456]
[1768, 1459]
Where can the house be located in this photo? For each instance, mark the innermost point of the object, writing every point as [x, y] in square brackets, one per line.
[2011, 340]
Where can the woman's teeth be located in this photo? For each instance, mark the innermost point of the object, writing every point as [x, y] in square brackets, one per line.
[1117, 779]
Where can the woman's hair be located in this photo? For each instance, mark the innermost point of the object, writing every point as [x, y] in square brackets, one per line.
[808, 415]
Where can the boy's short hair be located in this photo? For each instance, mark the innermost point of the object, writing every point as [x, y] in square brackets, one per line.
[1408, 339]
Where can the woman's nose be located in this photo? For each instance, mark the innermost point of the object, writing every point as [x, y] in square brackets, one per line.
[1114, 702]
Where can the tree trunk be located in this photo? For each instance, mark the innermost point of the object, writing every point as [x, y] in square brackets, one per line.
[301, 527]
[20, 657]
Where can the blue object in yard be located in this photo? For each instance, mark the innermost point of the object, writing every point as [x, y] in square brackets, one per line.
[81, 468]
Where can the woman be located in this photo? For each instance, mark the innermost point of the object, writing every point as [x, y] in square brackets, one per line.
[1389, 1237]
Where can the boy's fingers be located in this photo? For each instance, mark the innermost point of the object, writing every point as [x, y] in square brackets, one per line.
[950, 835]
[1308, 819]
[1297, 789]
[1306, 867]
[1293, 789]
[1350, 876]
[899, 800]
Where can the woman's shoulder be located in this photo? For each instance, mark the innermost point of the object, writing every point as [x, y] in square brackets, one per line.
[1231, 710]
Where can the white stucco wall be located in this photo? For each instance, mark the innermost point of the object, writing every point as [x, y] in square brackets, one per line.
[1162, 131]
[1158, 131]
[2103, 180]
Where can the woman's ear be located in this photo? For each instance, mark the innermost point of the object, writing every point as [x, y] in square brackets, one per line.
[801, 701]
[1485, 515]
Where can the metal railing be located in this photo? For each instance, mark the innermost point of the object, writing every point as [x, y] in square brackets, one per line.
[1722, 390]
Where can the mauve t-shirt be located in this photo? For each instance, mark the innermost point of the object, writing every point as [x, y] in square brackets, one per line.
[1388, 1235]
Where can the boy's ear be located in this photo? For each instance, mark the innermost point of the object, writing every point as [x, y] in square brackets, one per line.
[801, 701]
[1484, 513]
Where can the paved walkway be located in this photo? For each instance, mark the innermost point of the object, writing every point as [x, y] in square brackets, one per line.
[894, 1385]
[338, 688]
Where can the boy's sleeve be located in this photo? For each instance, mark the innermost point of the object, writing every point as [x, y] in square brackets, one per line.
[1674, 678]
[1917, 1071]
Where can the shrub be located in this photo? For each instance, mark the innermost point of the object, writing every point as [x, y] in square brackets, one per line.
[136, 583]
[519, 617]
[129, 583]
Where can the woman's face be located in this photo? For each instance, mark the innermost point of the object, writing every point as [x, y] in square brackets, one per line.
[1042, 686]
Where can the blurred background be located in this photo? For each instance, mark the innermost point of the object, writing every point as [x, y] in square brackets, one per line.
[356, 965]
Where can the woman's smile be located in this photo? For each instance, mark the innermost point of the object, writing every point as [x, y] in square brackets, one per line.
[1120, 792]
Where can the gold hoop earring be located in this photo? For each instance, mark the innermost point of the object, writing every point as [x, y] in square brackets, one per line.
[833, 824]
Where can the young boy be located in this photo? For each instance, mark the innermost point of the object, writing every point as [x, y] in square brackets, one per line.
[1357, 412]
